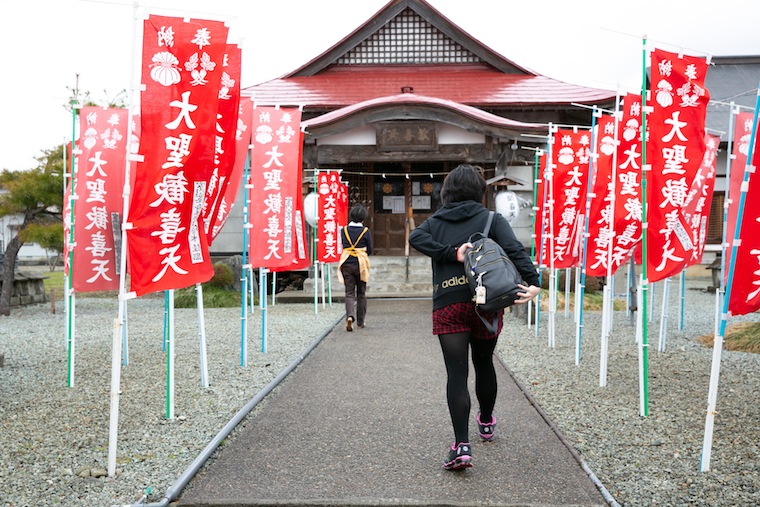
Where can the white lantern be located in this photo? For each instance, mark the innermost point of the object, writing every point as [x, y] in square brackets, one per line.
[310, 208]
[508, 205]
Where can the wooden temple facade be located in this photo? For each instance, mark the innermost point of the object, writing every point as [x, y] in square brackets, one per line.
[408, 96]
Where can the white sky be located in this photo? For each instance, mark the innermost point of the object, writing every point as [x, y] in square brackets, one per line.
[45, 43]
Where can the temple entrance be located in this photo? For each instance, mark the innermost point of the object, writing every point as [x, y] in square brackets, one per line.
[404, 194]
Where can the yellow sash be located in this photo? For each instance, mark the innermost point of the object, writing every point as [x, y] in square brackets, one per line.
[360, 254]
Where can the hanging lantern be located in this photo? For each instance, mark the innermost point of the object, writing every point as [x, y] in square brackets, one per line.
[310, 208]
[508, 205]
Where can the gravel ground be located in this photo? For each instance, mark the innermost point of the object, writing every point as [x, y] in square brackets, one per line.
[53, 438]
[650, 460]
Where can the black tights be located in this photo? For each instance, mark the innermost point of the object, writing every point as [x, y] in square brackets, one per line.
[455, 349]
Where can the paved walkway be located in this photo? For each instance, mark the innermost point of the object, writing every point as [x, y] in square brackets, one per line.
[363, 421]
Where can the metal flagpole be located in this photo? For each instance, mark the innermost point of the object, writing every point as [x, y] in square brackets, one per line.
[643, 344]
[202, 336]
[589, 195]
[549, 181]
[71, 306]
[119, 322]
[712, 397]
[263, 303]
[664, 316]
[607, 303]
[170, 360]
[244, 268]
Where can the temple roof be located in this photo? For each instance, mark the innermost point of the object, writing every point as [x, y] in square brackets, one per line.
[409, 44]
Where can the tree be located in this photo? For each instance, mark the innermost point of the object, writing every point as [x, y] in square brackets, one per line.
[36, 197]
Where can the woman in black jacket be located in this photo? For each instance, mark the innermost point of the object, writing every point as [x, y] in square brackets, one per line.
[444, 238]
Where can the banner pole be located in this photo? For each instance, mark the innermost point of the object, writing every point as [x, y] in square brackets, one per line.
[119, 332]
[170, 360]
[552, 272]
[263, 303]
[70, 328]
[315, 262]
[643, 345]
[244, 269]
[682, 315]
[584, 243]
[664, 315]
[607, 303]
[729, 150]
[202, 336]
[712, 397]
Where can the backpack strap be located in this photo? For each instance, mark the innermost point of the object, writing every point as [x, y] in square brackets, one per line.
[488, 224]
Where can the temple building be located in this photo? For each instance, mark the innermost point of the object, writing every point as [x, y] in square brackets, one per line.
[405, 98]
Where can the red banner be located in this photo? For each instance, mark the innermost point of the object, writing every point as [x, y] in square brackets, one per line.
[740, 148]
[570, 159]
[600, 229]
[697, 207]
[628, 203]
[103, 136]
[226, 141]
[302, 259]
[275, 186]
[332, 215]
[541, 223]
[745, 285]
[677, 139]
[181, 73]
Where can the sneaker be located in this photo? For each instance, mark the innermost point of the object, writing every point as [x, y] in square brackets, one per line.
[350, 324]
[460, 457]
[486, 430]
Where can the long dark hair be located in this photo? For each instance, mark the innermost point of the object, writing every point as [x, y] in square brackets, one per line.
[464, 183]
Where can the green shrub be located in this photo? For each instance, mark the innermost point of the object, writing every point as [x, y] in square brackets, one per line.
[223, 277]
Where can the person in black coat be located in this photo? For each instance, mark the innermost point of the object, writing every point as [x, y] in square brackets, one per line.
[354, 265]
[444, 238]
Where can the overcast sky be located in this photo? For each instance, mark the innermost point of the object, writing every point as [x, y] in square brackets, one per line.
[598, 43]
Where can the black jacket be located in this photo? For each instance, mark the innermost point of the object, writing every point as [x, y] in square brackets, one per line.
[444, 231]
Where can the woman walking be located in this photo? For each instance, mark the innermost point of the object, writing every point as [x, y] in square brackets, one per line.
[444, 238]
[354, 265]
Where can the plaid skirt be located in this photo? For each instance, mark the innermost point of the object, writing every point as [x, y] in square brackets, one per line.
[461, 318]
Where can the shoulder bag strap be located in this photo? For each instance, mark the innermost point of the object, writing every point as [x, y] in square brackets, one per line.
[488, 224]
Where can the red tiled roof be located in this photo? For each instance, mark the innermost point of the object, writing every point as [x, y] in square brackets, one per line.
[475, 85]
[415, 99]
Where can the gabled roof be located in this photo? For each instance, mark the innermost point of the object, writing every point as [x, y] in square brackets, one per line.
[386, 15]
[476, 85]
[408, 46]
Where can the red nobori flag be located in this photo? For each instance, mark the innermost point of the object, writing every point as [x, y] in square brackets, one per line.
[745, 286]
[697, 207]
[601, 213]
[570, 158]
[541, 223]
[628, 203]
[677, 140]
[182, 67]
[332, 205]
[103, 136]
[242, 145]
[741, 142]
[275, 183]
[226, 139]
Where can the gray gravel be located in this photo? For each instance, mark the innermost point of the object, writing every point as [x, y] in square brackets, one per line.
[650, 460]
[52, 435]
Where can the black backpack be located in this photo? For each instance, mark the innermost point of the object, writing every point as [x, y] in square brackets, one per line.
[492, 276]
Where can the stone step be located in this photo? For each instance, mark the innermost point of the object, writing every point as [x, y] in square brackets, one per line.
[389, 276]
